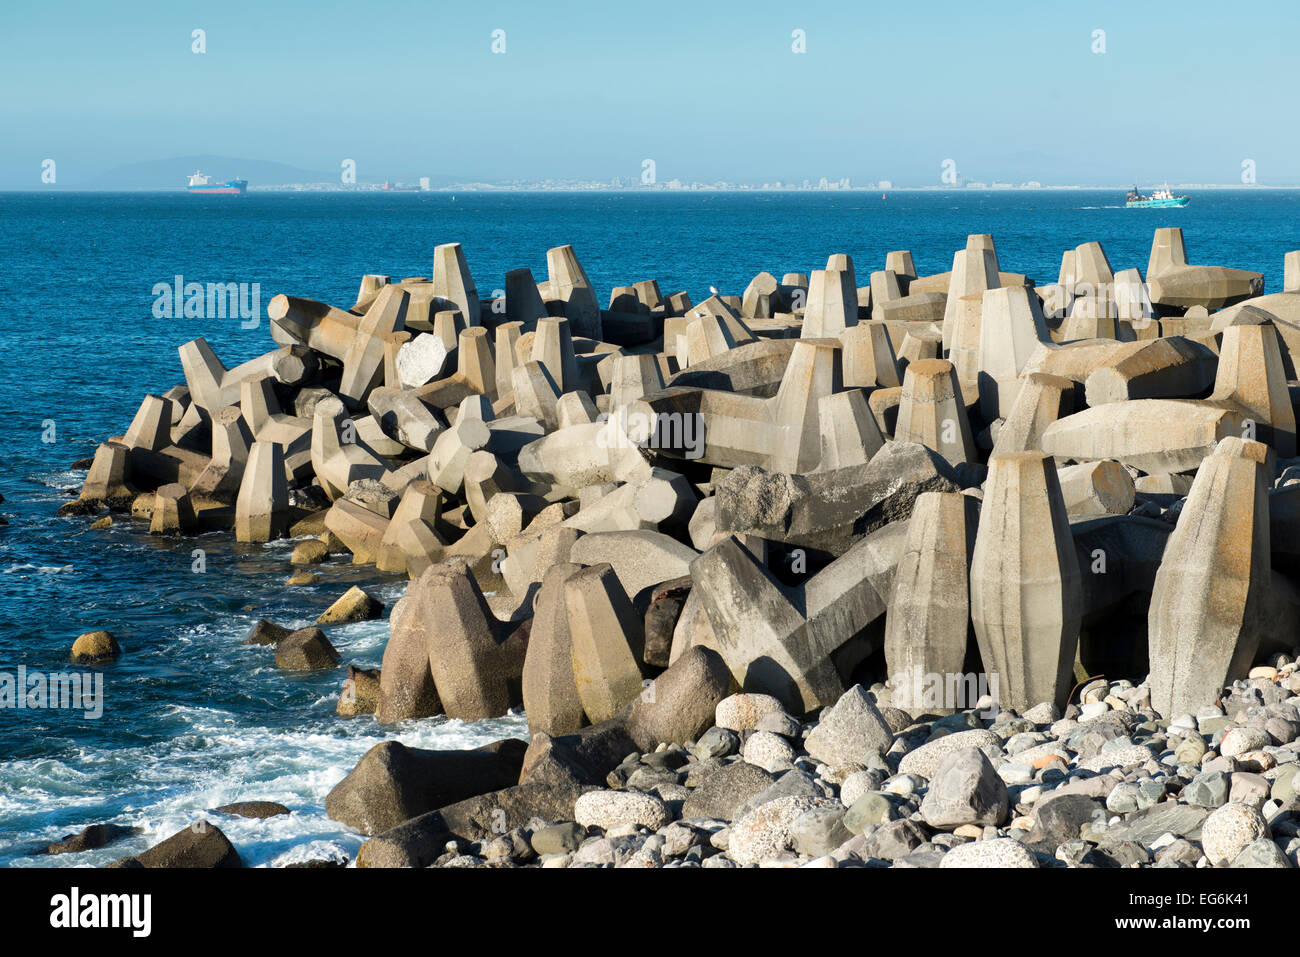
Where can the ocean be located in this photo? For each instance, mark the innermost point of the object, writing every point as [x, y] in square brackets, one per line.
[193, 718]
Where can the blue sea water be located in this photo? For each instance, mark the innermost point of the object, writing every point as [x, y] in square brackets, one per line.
[193, 718]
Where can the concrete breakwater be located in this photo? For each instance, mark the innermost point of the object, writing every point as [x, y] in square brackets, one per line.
[738, 559]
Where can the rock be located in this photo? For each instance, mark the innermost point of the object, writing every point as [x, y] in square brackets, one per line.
[1146, 827]
[779, 723]
[819, 831]
[768, 751]
[850, 731]
[716, 743]
[305, 650]
[353, 605]
[1060, 819]
[999, 852]
[1240, 740]
[311, 552]
[563, 838]
[421, 840]
[868, 811]
[767, 831]
[965, 790]
[266, 632]
[925, 760]
[742, 712]
[725, 790]
[200, 845]
[360, 694]
[680, 704]
[393, 783]
[893, 840]
[258, 810]
[95, 646]
[93, 837]
[1208, 789]
[1230, 830]
[793, 783]
[1261, 853]
[608, 809]
[858, 783]
[1045, 712]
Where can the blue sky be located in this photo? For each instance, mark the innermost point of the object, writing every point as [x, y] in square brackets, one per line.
[710, 90]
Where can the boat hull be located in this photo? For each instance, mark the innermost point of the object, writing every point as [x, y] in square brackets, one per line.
[1157, 203]
[236, 187]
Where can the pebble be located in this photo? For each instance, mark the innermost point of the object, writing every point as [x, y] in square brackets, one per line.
[769, 751]
[742, 712]
[608, 809]
[765, 832]
[924, 761]
[1229, 830]
[1240, 740]
[1000, 852]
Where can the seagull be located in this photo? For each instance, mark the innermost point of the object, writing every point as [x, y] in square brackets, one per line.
[714, 290]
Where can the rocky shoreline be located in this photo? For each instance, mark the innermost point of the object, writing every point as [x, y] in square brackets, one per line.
[946, 570]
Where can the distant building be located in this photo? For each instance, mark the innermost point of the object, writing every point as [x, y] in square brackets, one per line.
[886, 184]
[424, 183]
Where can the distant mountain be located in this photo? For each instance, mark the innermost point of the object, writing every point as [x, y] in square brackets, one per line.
[175, 172]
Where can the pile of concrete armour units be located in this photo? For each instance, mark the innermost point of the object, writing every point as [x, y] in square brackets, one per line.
[780, 507]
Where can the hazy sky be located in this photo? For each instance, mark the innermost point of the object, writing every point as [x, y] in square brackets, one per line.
[1184, 91]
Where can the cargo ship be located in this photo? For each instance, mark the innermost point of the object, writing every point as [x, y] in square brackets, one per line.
[1160, 199]
[202, 183]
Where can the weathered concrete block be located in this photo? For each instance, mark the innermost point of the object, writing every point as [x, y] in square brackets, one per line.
[1251, 378]
[1011, 329]
[107, 482]
[606, 642]
[550, 696]
[476, 660]
[1026, 594]
[932, 412]
[363, 363]
[571, 287]
[781, 641]
[973, 272]
[869, 358]
[1093, 489]
[262, 506]
[1154, 435]
[1177, 285]
[1042, 400]
[453, 283]
[825, 512]
[1153, 369]
[523, 302]
[832, 304]
[173, 514]
[1207, 610]
[928, 622]
[849, 432]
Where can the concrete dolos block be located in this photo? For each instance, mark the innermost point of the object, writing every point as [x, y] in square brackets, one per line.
[1207, 610]
[1026, 593]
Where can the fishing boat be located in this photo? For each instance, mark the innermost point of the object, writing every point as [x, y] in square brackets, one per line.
[1160, 199]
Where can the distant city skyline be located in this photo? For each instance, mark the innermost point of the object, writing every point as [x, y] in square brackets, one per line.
[757, 92]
